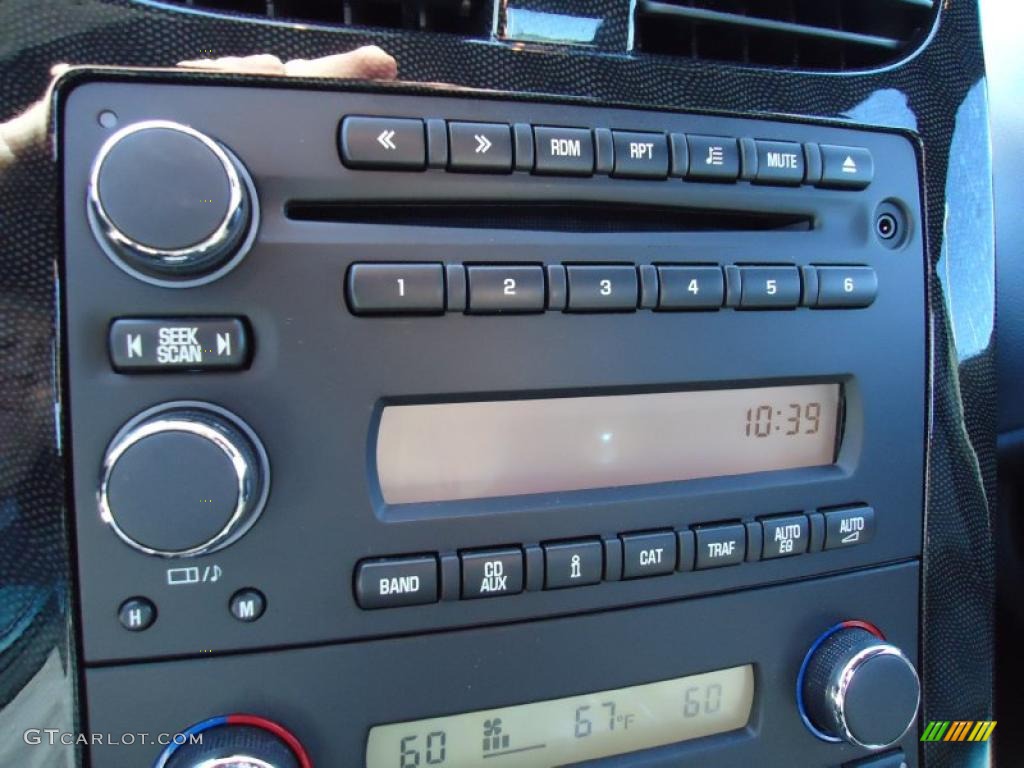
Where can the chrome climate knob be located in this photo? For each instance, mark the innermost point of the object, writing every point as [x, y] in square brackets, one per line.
[170, 205]
[856, 687]
[235, 741]
[183, 479]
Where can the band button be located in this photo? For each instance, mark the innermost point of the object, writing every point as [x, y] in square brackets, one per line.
[392, 582]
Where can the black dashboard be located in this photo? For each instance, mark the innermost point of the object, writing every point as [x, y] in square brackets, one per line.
[553, 383]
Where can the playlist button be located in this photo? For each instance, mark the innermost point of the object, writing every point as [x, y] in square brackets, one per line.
[713, 158]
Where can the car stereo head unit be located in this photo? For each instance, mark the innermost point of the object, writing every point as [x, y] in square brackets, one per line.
[368, 391]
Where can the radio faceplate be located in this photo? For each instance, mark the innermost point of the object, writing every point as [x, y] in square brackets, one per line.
[318, 375]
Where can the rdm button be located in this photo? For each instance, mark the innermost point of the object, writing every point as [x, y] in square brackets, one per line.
[396, 581]
[178, 344]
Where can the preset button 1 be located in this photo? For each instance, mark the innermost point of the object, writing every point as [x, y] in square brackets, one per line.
[392, 582]
[395, 289]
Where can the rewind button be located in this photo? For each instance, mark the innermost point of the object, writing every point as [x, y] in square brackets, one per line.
[383, 142]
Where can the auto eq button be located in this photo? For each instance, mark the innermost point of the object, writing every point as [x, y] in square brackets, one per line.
[784, 536]
[384, 143]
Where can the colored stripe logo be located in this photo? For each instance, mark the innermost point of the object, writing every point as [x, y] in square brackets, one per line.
[958, 730]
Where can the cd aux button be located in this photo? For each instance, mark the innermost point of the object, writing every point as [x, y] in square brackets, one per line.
[391, 582]
[573, 564]
[492, 573]
[720, 545]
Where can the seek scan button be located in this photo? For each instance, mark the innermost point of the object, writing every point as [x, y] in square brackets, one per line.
[178, 344]
[391, 582]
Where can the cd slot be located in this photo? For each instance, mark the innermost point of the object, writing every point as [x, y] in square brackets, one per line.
[545, 216]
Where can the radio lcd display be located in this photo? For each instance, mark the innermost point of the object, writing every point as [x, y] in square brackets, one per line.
[472, 450]
[550, 733]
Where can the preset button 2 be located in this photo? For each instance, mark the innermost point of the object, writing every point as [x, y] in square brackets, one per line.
[500, 289]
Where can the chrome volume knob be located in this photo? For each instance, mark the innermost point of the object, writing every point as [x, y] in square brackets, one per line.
[171, 206]
[183, 479]
[856, 687]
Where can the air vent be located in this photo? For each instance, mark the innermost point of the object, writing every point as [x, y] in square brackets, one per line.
[470, 18]
[800, 34]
